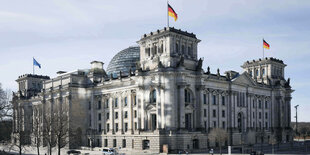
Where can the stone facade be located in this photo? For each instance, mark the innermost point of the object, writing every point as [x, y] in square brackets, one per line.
[166, 99]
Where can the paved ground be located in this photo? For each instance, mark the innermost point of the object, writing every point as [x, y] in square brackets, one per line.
[289, 148]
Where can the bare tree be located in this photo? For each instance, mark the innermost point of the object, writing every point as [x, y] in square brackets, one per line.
[273, 141]
[219, 136]
[48, 136]
[5, 115]
[19, 132]
[37, 127]
[61, 127]
[261, 134]
[5, 105]
[56, 126]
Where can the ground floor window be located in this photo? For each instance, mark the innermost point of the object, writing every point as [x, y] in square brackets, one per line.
[145, 144]
[105, 142]
[195, 144]
[124, 143]
[114, 142]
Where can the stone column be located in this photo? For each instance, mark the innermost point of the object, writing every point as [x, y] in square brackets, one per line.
[158, 108]
[142, 109]
[181, 106]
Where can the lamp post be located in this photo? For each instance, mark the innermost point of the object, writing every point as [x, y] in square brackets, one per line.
[296, 119]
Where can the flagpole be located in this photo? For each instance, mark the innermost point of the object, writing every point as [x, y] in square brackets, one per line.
[167, 14]
[263, 49]
[32, 65]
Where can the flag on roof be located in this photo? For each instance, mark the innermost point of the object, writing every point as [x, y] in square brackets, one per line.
[265, 44]
[36, 63]
[172, 13]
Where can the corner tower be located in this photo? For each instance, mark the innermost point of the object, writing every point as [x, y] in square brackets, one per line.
[268, 70]
[166, 48]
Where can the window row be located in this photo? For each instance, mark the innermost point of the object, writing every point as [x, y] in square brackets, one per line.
[214, 99]
[116, 115]
[213, 113]
[115, 103]
[116, 127]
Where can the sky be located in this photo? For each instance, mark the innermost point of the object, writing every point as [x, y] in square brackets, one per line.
[68, 34]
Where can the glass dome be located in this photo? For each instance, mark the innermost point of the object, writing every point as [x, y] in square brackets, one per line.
[124, 61]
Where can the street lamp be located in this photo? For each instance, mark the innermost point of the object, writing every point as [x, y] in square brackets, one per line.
[296, 119]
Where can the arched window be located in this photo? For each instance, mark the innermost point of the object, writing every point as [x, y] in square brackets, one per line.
[148, 52]
[187, 96]
[263, 72]
[161, 48]
[177, 48]
[153, 96]
[154, 50]
[256, 72]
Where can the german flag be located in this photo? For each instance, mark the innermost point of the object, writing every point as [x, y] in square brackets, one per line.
[266, 45]
[172, 13]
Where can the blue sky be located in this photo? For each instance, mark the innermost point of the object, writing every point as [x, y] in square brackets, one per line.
[66, 35]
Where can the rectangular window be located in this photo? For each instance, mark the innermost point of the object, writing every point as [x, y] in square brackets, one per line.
[108, 115]
[214, 100]
[205, 112]
[125, 101]
[205, 125]
[125, 114]
[99, 116]
[124, 143]
[223, 100]
[214, 124]
[253, 114]
[89, 105]
[105, 142]
[116, 115]
[115, 102]
[114, 142]
[259, 115]
[266, 115]
[260, 124]
[266, 104]
[98, 143]
[223, 124]
[259, 104]
[99, 104]
[135, 113]
[223, 113]
[136, 125]
[135, 100]
[204, 98]
[126, 127]
[214, 113]
[107, 103]
[89, 120]
[254, 124]
[266, 124]
[99, 127]
[116, 127]
[108, 127]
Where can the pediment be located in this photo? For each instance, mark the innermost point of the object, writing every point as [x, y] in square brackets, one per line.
[189, 107]
[244, 78]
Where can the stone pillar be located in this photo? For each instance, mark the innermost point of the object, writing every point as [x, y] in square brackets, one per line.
[142, 108]
[181, 105]
[158, 108]
[162, 104]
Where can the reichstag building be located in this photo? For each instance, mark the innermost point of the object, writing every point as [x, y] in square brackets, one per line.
[156, 96]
